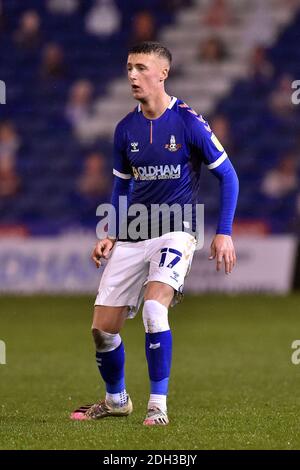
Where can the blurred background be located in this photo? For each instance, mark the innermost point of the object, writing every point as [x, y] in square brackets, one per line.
[64, 67]
[63, 63]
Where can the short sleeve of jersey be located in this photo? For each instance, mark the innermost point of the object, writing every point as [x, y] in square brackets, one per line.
[202, 137]
[121, 167]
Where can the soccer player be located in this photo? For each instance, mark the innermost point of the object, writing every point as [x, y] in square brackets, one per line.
[158, 151]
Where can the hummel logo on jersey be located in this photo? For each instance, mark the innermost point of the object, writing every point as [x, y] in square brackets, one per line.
[172, 146]
[134, 147]
[154, 346]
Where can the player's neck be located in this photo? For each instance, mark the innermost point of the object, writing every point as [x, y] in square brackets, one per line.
[156, 106]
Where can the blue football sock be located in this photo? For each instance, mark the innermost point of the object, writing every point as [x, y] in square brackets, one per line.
[159, 358]
[111, 367]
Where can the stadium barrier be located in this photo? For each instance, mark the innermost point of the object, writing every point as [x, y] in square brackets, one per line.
[296, 285]
[264, 264]
[63, 265]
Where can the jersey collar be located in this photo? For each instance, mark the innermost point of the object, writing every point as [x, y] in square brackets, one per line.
[172, 102]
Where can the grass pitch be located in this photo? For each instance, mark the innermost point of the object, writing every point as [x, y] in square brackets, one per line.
[233, 384]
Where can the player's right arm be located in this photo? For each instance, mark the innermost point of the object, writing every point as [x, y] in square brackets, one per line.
[121, 187]
[102, 250]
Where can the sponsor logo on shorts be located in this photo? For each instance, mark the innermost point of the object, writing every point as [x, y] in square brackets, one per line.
[175, 276]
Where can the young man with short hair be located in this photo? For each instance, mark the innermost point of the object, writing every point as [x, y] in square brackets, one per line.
[158, 151]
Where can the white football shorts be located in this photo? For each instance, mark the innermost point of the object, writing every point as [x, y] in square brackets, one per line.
[132, 265]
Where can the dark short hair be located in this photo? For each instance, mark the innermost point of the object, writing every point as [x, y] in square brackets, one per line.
[148, 47]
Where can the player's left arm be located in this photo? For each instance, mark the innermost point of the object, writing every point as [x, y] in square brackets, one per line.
[222, 247]
[217, 161]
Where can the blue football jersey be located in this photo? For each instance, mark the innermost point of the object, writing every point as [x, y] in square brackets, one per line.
[163, 156]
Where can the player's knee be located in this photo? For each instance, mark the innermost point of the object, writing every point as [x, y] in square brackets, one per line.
[105, 342]
[162, 293]
[155, 317]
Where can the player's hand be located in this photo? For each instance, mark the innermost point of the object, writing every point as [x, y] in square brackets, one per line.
[102, 250]
[222, 249]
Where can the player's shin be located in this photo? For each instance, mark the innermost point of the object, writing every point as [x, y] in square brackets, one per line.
[110, 358]
[158, 352]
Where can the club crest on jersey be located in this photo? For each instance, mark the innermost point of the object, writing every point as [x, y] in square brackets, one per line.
[172, 146]
[134, 147]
